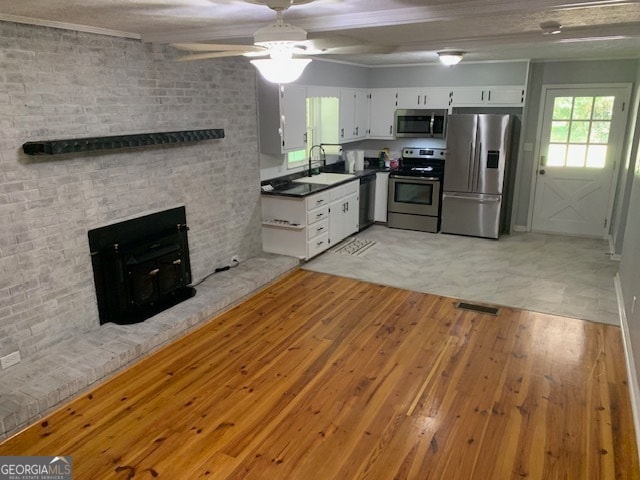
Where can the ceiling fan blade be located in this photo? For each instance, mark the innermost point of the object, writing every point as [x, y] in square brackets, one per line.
[213, 47]
[203, 56]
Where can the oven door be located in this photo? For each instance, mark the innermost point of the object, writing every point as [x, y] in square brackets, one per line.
[414, 195]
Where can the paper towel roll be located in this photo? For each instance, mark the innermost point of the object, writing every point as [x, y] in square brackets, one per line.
[359, 160]
[350, 161]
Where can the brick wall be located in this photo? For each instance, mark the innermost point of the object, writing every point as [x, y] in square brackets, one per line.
[63, 84]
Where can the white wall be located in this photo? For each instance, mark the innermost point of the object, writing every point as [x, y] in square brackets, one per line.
[630, 258]
[626, 174]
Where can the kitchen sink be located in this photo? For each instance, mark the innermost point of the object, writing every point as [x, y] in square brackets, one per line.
[326, 178]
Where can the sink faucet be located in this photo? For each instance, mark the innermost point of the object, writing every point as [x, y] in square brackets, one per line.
[323, 156]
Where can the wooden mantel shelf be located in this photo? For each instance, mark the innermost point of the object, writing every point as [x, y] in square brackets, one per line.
[75, 145]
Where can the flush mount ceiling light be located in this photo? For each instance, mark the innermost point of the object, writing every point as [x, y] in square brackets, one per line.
[551, 28]
[450, 58]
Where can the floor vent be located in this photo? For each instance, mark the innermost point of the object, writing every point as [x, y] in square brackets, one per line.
[478, 308]
[354, 246]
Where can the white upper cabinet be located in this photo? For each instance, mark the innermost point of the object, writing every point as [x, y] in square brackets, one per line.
[423, 97]
[354, 114]
[382, 109]
[293, 121]
[504, 96]
[362, 114]
[282, 113]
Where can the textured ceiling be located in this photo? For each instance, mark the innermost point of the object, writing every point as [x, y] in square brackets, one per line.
[412, 30]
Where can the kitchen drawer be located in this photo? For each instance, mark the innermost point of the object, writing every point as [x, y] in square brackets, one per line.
[317, 214]
[318, 228]
[318, 245]
[318, 200]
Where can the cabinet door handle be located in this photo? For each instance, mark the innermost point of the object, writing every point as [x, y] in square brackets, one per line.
[318, 202]
[305, 138]
[390, 129]
[342, 132]
[489, 98]
[320, 215]
[319, 243]
[482, 96]
[425, 100]
[418, 99]
[319, 229]
[357, 130]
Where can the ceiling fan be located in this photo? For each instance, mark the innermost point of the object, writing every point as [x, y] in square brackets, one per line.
[280, 41]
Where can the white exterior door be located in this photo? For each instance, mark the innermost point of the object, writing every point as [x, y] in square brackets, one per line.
[580, 145]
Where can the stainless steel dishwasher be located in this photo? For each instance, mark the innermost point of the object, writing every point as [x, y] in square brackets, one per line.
[367, 200]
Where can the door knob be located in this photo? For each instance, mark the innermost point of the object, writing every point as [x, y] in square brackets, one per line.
[542, 172]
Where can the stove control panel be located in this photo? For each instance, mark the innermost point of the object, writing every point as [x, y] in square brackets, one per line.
[419, 152]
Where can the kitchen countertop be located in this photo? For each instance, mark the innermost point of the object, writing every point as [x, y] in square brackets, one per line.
[286, 187]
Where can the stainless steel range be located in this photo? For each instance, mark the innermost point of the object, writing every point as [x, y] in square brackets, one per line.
[415, 190]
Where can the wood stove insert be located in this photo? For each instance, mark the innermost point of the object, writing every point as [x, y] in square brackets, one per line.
[141, 266]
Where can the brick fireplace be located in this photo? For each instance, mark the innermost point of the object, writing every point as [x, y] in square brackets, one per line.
[60, 84]
[141, 266]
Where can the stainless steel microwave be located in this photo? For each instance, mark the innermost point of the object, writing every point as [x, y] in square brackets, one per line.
[421, 123]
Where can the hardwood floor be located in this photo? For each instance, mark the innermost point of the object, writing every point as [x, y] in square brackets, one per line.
[322, 377]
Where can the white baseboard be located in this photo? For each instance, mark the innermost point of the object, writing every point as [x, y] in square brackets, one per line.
[519, 228]
[634, 387]
[612, 250]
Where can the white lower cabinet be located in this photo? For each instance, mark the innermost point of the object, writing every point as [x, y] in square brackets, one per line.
[344, 212]
[382, 185]
[305, 227]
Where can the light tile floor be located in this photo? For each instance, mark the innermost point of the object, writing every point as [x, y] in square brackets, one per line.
[546, 273]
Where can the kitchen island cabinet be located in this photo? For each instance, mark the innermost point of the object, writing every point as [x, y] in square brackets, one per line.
[303, 227]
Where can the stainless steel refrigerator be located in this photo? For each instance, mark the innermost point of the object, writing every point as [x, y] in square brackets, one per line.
[478, 152]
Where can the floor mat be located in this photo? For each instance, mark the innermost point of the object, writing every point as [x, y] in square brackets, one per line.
[354, 246]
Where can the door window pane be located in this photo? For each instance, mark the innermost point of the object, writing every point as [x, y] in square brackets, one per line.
[559, 131]
[597, 156]
[576, 155]
[603, 108]
[582, 108]
[556, 155]
[579, 132]
[600, 132]
[562, 108]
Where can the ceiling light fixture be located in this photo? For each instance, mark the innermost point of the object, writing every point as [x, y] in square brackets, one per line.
[450, 58]
[280, 38]
[551, 28]
[281, 67]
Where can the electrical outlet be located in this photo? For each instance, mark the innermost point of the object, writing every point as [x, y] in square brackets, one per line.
[10, 360]
[235, 260]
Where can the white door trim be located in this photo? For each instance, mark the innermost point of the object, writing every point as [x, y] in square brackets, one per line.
[618, 145]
